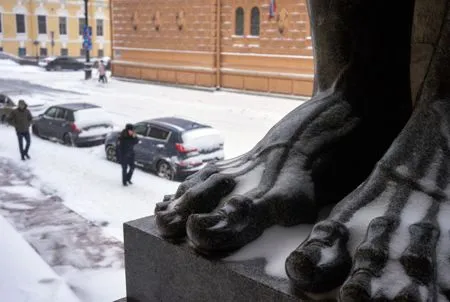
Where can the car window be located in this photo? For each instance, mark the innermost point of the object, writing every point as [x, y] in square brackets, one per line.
[9, 102]
[158, 133]
[51, 112]
[2, 99]
[141, 129]
[70, 116]
[60, 114]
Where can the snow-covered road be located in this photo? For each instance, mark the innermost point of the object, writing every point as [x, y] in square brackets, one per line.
[91, 186]
[85, 180]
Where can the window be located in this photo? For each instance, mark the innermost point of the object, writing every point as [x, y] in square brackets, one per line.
[1, 48]
[101, 53]
[42, 24]
[158, 133]
[22, 51]
[61, 114]
[99, 27]
[141, 129]
[20, 24]
[239, 30]
[51, 112]
[64, 52]
[43, 52]
[1, 25]
[62, 26]
[82, 52]
[254, 25]
[81, 24]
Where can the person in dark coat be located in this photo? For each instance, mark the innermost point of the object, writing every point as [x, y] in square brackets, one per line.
[21, 119]
[126, 142]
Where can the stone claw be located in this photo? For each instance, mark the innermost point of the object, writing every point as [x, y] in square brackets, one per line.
[322, 262]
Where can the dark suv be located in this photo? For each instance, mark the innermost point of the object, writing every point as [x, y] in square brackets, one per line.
[172, 147]
[74, 124]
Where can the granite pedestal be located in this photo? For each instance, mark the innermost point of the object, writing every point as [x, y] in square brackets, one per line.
[157, 270]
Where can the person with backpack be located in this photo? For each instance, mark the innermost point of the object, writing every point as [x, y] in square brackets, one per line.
[125, 151]
[21, 119]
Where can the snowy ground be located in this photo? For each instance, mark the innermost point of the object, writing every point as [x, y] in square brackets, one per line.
[91, 187]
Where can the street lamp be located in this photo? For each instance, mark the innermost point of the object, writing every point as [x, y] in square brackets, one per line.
[87, 64]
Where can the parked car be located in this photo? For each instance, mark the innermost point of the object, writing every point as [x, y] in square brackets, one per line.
[64, 63]
[172, 147]
[9, 101]
[74, 124]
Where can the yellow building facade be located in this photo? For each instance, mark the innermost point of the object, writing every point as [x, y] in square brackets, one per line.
[31, 28]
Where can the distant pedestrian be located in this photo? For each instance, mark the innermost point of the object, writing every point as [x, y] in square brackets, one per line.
[21, 119]
[102, 72]
[125, 149]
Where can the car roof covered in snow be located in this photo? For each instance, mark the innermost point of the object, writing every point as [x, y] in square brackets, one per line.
[177, 124]
[77, 106]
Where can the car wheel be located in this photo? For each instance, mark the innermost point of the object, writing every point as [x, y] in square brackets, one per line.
[68, 141]
[35, 130]
[164, 170]
[111, 153]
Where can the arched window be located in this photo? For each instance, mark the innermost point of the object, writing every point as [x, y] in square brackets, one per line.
[254, 25]
[239, 26]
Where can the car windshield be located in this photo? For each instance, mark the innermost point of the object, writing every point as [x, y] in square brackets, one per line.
[203, 138]
[92, 116]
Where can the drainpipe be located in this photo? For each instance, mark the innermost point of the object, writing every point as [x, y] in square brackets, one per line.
[111, 34]
[218, 45]
[30, 18]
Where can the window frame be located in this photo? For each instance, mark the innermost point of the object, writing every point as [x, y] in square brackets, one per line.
[65, 26]
[64, 116]
[100, 32]
[24, 53]
[237, 26]
[40, 23]
[151, 126]
[48, 110]
[24, 25]
[43, 52]
[81, 24]
[253, 27]
[147, 127]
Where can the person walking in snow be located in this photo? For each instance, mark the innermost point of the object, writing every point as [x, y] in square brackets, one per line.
[102, 72]
[125, 151]
[21, 119]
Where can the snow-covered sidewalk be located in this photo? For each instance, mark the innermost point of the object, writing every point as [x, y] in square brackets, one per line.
[89, 263]
[28, 277]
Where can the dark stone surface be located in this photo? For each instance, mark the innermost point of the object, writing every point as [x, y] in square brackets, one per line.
[359, 140]
[157, 270]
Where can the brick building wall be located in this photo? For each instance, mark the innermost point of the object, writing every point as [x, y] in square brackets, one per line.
[175, 41]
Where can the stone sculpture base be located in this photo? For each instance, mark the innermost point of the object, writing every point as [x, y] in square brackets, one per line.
[157, 270]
